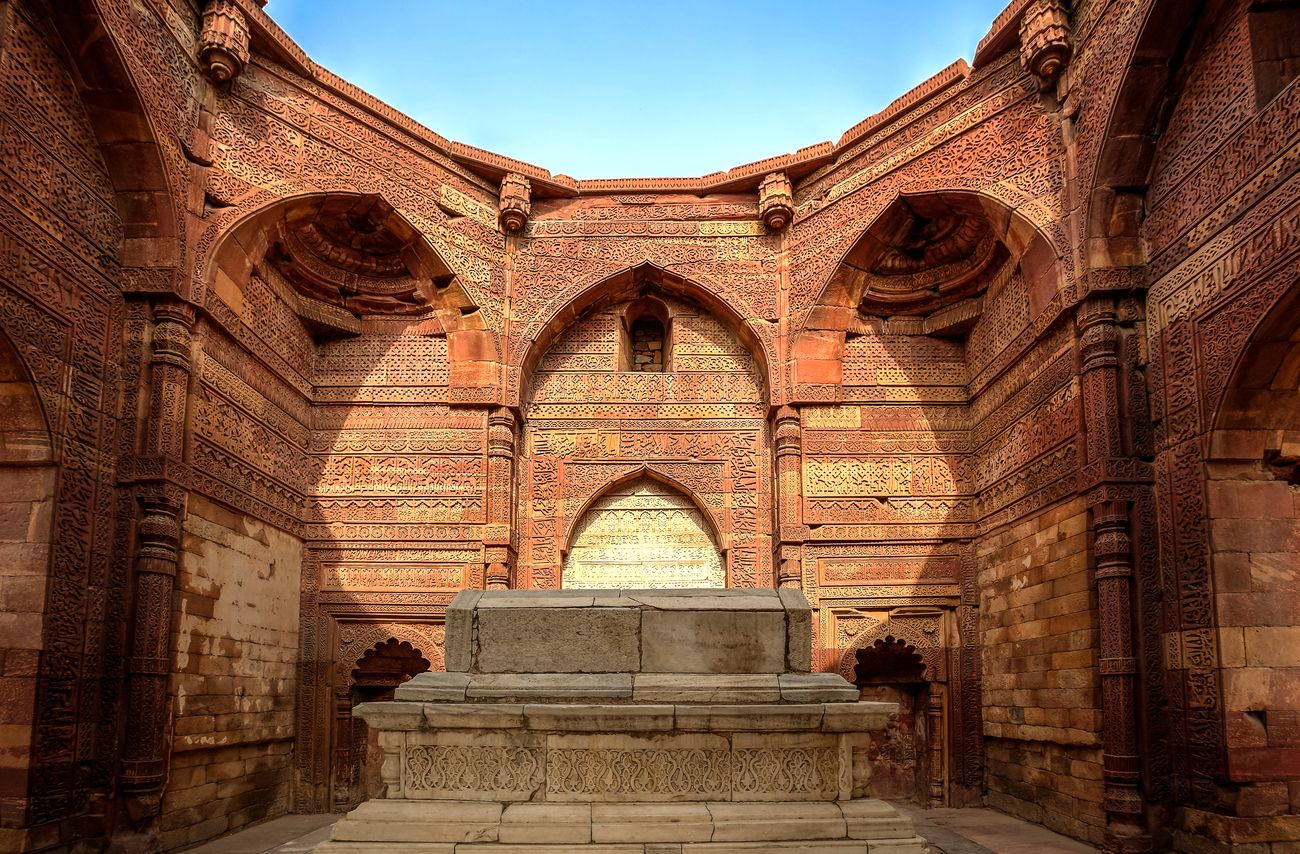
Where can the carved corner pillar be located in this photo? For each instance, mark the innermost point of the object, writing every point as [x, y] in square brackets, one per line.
[223, 41]
[1125, 806]
[788, 448]
[156, 481]
[516, 202]
[1045, 40]
[776, 201]
[498, 537]
[144, 754]
[1121, 765]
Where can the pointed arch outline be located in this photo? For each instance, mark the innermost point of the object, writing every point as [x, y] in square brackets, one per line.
[626, 282]
[1006, 220]
[650, 471]
[1029, 244]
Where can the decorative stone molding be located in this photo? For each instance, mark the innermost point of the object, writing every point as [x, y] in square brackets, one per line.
[516, 202]
[1045, 39]
[223, 41]
[776, 201]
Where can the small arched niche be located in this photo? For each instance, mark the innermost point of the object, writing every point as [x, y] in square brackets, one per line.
[643, 533]
[647, 345]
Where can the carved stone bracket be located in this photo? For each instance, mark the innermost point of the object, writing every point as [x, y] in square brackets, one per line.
[223, 41]
[515, 203]
[776, 201]
[1045, 39]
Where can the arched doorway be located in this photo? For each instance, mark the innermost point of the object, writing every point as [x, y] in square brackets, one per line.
[643, 533]
[375, 677]
[27, 481]
[891, 671]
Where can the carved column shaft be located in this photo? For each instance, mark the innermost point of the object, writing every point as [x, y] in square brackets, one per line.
[498, 541]
[1113, 572]
[788, 447]
[158, 533]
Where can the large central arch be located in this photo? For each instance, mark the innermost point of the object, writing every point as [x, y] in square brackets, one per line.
[698, 420]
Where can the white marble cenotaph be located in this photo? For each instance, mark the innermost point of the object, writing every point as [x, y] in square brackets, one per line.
[626, 722]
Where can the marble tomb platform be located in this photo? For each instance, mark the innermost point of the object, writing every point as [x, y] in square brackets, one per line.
[647, 721]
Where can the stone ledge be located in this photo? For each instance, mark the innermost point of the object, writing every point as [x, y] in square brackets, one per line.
[617, 717]
[439, 827]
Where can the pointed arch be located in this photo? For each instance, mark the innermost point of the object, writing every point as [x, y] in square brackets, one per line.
[938, 250]
[649, 471]
[147, 183]
[1143, 101]
[27, 491]
[628, 284]
[643, 520]
[345, 254]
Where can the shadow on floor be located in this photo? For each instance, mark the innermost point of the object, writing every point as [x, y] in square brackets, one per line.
[987, 831]
[290, 834]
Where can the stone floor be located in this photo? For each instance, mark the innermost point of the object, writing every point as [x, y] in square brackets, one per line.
[986, 831]
[967, 831]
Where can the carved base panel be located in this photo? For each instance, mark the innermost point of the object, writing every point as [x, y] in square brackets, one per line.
[551, 777]
[444, 827]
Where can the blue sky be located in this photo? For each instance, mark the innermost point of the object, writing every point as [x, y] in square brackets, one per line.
[603, 89]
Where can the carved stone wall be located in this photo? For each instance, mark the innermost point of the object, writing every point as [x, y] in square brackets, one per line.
[1012, 374]
[699, 426]
[62, 311]
[1223, 264]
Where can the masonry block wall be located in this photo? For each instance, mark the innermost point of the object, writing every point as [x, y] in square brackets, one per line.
[1041, 724]
[236, 671]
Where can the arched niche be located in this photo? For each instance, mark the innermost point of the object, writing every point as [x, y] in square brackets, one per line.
[336, 258]
[27, 489]
[637, 292]
[927, 264]
[643, 532]
[701, 424]
[1252, 507]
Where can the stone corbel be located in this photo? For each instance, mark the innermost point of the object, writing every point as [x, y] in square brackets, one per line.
[515, 203]
[1045, 40]
[223, 41]
[776, 201]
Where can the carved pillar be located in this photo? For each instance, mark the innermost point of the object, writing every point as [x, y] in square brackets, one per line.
[498, 538]
[937, 739]
[1045, 40]
[788, 447]
[159, 487]
[1113, 572]
[223, 41]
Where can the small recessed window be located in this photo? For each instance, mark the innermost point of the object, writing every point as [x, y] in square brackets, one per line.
[647, 337]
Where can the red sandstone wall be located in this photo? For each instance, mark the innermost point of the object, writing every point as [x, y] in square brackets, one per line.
[62, 312]
[343, 485]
